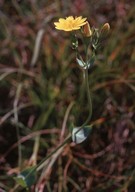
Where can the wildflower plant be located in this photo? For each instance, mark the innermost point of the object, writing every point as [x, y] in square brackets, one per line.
[92, 39]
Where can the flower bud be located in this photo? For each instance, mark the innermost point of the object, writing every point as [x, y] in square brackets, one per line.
[86, 30]
[105, 30]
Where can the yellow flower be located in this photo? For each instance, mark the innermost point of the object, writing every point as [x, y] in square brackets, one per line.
[70, 23]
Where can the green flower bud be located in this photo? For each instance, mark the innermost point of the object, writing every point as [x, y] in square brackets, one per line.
[105, 30]
[86, 30]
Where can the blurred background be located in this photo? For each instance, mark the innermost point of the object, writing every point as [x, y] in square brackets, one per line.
[40, 81]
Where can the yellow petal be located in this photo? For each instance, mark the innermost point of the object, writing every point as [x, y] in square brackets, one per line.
[70, 18]
[61, 20]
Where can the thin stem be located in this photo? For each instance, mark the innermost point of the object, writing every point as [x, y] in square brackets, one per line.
[86, 82]
[89, 100]
[16, 123]
[44, 159]
[89, 97]
[86, 79]
[64, 142]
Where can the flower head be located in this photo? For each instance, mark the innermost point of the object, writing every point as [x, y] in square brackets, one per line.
[70, 23]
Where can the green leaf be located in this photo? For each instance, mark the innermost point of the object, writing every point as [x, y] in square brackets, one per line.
[35, 98]
[80, 134]
[26, 178]
[80, 62]
[21, 181]
[91, 61]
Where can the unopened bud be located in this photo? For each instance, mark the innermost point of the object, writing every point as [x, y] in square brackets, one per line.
[86, 30]
[105, 30]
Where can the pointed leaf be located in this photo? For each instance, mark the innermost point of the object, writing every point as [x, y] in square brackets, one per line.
[80, 62]
[21, 181]
[26, 178]
[91, 61]
[80, 134]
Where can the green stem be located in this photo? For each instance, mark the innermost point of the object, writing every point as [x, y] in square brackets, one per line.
[16, 123]
[44, 159]
[88, 96]
[86, 81]
[61, 145]
[89, 100]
